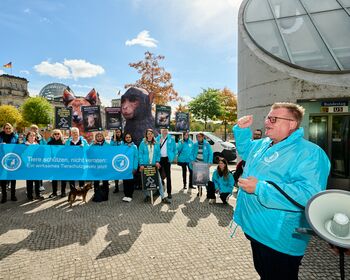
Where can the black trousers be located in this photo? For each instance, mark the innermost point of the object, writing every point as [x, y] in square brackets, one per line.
[185, 166]
[273, 265]
[101, 192]
[3, 188]
[211, 190]
[166, 168]
[128, 187]
[30, 184]
[55, 185]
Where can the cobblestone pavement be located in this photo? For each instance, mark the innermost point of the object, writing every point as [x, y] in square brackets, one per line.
[188, 239]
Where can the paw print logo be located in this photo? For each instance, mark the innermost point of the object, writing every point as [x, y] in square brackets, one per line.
[120, 163]
[11, 162]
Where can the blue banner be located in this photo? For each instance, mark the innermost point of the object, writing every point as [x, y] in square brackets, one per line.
[49, 162]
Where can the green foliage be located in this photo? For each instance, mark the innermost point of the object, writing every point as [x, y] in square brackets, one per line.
[9, 114]
[206, 106]
[37, 110]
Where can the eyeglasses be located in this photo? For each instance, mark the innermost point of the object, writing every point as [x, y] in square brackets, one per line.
[274, 119]
[56, 134]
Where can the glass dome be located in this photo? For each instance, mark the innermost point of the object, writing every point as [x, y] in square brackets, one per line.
[53, 91]
[310, 34]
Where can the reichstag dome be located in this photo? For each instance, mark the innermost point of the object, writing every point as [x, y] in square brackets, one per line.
[53, 91]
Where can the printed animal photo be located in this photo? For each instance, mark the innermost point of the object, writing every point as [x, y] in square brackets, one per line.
[75, 103]
[163, 116]
[91, 118]
[136, 104]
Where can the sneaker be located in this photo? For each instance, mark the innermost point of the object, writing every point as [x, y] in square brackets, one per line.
[147, 199]
[166, 201]
[41, 189]
[3, 200]
[170, 196]
[30, 198]
[52, 195]
[127, 199]
[39, 197]
[191, 187]
[211, 201]
[185, 187]
[63, 194]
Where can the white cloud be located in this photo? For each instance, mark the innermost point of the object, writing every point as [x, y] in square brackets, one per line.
[2, 72]
[83, 69]
[25, 72]
[27, 11]
[56, 70]
[69, 69]
[143, 39]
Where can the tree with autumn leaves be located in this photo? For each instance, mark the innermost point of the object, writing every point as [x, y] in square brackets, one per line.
[154, 79]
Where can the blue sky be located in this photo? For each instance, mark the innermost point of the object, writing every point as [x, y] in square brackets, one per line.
[89, 44]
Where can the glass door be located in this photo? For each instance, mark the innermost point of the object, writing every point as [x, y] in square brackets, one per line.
[332, 134]
[340, 147]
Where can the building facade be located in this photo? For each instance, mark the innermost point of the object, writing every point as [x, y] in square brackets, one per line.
[13, 90]
[299, 51]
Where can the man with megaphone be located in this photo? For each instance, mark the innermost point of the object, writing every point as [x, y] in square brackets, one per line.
[298, 168]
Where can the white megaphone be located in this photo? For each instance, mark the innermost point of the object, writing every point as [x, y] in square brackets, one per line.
[328, 214]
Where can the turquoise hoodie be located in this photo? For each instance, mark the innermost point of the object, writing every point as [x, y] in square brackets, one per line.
[299, 167]
[134, 155]
[144, 156]
[207, 153]
[223, 185]
[184, 150]
[170, 146]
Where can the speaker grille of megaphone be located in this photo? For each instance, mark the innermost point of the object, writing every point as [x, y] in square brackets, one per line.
[320, 211]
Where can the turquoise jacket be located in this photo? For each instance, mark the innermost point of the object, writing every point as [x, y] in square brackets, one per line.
[223, 185]
[299, 167]
[134, 155]
[105, 143]
[170, 146]
[144, 155]
[184, 150]
[207, 153]
[83, 141]
[116, 143]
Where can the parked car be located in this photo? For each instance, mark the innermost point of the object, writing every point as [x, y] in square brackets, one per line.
[220, 148]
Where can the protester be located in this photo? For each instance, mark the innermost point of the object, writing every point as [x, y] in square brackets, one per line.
[129, 184]
[76, 140]
[100, 193]
[8, 136]
[41, 141]
[31, 140]
[117, 140]
[222, 183]
[184, 150]
[299, 167]
[57, 139]
[201, 152]
[149, 154]
[167, 156]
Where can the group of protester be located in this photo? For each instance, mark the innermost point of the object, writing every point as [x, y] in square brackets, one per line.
[267, 214]
[160, 151]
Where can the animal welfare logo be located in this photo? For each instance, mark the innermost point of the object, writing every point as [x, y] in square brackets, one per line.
[120, 163]
[11, 162]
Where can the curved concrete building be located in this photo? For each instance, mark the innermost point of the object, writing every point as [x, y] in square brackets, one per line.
[299, 51]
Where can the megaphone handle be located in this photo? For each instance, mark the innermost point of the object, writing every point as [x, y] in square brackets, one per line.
[341, 263]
